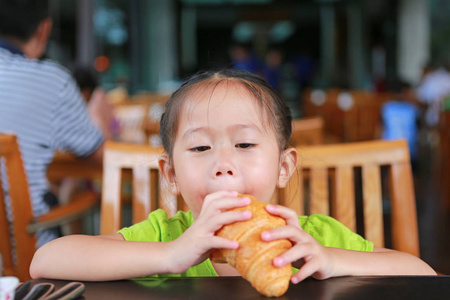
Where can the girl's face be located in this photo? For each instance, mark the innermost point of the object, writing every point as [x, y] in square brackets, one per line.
[224, 144]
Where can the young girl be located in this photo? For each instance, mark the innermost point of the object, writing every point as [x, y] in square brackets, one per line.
[224, 133]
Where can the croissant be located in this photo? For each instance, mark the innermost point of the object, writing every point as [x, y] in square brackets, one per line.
[253, 259]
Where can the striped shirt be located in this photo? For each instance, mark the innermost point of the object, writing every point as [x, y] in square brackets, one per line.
[41, 104]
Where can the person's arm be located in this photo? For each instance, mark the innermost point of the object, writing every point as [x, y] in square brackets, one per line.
[98, 258]
[97, 155]
[321, 262]
[334, 262]
[83, 257]
[101, 112]
[381, 261]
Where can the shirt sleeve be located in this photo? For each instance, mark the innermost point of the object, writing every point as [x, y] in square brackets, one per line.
[149, 230]
[73, 130]
[158, 227]
[331, 233]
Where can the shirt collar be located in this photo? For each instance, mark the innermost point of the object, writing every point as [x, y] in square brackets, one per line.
[10, 47]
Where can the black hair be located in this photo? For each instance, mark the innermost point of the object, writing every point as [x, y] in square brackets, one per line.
[85, 78]
[19, 19]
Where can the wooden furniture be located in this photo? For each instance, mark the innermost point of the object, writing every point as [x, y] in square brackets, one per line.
[444, 159]
[307, 131]
[335, 194]
[139, 118]
[131, 117]
[23, 226]
[156, 106]
[349, 115]
[237, 288]
[148, 191]
[68, 165]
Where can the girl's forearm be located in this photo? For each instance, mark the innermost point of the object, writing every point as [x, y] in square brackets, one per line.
[380, 262]
[91, 258]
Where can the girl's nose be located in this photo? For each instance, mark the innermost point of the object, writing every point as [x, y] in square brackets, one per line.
[225, 165]
[220, 173]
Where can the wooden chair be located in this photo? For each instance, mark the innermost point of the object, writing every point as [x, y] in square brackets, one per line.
[23, 224]
[156, 105]
[307, 131]
[361, 114]
[148, 191]
[350, 115]
[338, 199]
[131, 117]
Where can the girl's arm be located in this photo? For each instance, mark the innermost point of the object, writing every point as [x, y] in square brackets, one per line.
[335, 262]
[324, 262]
[83, 257]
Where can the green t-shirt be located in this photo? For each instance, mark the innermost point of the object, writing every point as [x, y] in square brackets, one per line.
[159, 228]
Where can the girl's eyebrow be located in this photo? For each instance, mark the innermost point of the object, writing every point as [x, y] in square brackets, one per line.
[191, 131]
[238, 127]
[231, 128]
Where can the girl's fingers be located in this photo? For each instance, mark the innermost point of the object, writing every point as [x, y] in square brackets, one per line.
[294, 254]
[308, 269]
[222, 201]
[229, 217]
[222, 243]
[294, 234]
[286, 213]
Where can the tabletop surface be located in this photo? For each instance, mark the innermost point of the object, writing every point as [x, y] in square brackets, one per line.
[391, 287]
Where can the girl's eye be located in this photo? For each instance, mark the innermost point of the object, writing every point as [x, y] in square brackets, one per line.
[245, 145]
[200, 148]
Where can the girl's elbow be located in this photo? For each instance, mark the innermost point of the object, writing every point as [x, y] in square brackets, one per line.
[37, 266]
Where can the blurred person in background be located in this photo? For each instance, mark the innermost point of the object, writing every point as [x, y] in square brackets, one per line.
[434, 86]
[272, 69]
[99, 107]
[41, 103]
[243, 58]
[400, 117]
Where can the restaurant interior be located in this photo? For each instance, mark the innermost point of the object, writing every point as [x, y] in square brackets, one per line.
[336, 63]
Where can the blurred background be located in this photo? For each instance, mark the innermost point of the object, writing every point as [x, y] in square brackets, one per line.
[305, 48]
[151, 45]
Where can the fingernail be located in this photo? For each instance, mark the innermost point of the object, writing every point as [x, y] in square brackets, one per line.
[234, 193]
[294, 280]
[246, 200]
[247, 214]
[278, 262]
[265, 236]
[270, 207]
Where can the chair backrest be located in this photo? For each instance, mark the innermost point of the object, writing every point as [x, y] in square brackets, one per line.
[148, 190]
[350, 115]
[307, 131]
[310, 191]
[20, 207]
[131, 117]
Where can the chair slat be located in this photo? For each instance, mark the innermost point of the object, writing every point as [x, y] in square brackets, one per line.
[111, 218]
[22, 212]
[319, 191]
[5, 248]
[404, 216]
[344, 203]
[296, 197]
[149, 193]
[141, 194]
[372, 204]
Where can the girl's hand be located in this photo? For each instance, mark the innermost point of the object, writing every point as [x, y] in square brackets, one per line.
[197, 243]
[317, 260]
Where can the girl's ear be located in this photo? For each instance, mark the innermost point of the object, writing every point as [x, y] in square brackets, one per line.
[168, 173]
[288, 163]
